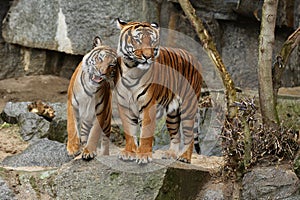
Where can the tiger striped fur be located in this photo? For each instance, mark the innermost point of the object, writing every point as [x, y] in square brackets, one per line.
[89, 101]
[150, 76]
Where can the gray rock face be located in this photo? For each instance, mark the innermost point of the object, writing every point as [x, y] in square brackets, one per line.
[270, 183]
[32, 126]
[240, 53]
[214, 191]
[70, 27]
[12, 111]
[58, 126]
[42, 153]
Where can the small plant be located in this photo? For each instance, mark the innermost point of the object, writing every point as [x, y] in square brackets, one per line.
[246, 142]
[5, 125]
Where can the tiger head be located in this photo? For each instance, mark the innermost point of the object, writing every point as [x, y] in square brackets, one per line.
[100, 63]
[138, 43]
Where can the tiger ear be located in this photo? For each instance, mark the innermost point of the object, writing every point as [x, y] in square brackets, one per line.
[97, 42]
[154, 25]
[121, 23]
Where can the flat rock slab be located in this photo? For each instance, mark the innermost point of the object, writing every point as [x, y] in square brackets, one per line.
[110, 178]
[46, 170]
[101, 179]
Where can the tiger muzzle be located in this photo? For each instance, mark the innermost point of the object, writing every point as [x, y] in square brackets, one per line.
[96, 78]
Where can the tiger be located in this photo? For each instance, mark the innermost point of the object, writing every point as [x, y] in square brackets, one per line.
[153, 76]
[89, 109]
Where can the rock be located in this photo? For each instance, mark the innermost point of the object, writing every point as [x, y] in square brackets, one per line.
[70, 27]
[212, 191]
[33, 126]
[107, 177]
[97, 179]
[58, 126]
[12, 111]
[43, 153]
[270, 183]
[5, 192]
[10, 66]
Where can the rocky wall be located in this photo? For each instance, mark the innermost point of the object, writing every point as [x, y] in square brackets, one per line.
[50, 37]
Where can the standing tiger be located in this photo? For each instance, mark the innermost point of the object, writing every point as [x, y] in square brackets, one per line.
[89, 101]
[152, 77]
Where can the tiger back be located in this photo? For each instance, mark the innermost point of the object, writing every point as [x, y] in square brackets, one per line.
[155, 76]
[89, 108]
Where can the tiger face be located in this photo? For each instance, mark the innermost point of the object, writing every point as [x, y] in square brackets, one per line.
[100, 63]
[138, 43]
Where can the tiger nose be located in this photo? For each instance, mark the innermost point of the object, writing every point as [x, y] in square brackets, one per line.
[147, 53]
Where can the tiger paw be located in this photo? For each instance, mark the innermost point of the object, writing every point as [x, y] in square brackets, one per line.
[88, 155]
[169, 154]
[73, 150]
[127, 155]
[184, 160]
[144, 158]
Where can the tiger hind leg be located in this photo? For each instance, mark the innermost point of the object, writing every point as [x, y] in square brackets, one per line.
[185, 154]
[104, 151]
[173, 125]
[105, 132]
[73, 144]
[197, 131]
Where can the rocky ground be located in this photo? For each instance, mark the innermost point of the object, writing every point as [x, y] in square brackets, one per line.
[10, 141]
[29, 88]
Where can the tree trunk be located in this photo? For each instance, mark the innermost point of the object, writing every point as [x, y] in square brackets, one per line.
[211, 50]
[266, 46]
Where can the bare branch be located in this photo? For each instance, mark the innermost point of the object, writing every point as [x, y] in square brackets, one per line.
[282, 59]
[211, 50]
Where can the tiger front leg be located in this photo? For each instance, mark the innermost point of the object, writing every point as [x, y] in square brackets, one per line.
[90, 149]
[130, 127]
[73, 144]
[144, 152]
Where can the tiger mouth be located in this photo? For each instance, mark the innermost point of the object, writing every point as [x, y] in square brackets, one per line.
[97, 79]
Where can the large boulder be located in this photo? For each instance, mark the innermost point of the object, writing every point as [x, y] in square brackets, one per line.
[103, 179]
[270, 183]
[108, 177]
[70, 27]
